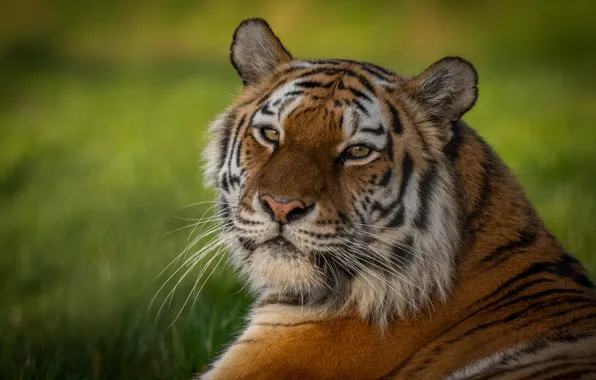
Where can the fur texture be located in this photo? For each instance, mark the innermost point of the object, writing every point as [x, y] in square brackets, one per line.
[415, 258]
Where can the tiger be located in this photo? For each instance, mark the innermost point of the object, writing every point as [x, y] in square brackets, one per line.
[382, 237]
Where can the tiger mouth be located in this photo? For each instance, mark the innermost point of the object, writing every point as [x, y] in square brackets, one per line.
[279, 242]
[279, 247]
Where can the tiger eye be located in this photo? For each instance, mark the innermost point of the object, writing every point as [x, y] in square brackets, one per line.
[270, 134]
[359, 151]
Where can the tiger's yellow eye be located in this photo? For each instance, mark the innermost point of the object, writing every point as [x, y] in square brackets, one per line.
[358, 151]
[270, 134]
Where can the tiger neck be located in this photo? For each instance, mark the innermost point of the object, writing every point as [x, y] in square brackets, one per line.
[494, 207]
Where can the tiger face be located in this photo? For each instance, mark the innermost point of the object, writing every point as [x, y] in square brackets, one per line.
[335, 181]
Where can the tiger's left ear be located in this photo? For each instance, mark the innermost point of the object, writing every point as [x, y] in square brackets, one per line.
[256, 51]
[448, 88]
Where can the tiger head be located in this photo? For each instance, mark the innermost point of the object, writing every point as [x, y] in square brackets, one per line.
[335, 186]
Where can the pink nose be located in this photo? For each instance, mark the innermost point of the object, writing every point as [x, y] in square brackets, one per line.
[281, 210]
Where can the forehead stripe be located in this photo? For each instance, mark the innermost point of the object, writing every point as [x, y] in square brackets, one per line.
[321, 70]
[294, 93]
[283, 107]
[363, 81]
[377, 71]
[266, 110]
[376, 74]
[335, 71]
[359, 94]
[314, 84]
[361, 108]
[375, 131]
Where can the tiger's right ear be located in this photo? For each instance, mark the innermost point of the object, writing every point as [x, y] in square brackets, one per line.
[256, 51]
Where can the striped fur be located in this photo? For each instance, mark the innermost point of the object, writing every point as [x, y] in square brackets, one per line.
[422, 260]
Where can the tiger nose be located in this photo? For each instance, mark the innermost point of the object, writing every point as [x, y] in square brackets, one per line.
[284, 211]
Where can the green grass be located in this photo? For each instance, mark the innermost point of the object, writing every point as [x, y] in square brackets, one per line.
[98, 158]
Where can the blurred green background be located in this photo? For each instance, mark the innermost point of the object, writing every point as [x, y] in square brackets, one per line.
[103, 111]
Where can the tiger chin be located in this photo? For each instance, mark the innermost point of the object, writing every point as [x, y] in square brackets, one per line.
[382, 236]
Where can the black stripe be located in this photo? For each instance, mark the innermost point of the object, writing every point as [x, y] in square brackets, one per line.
[320, 70]
[359, 94]
[550, 303]
[376, 74]
[407, 168]
[389, 147]
[515, 291]
[223, 183]
[234, 140]
[360, 216]
[225, 136]
[376, 67]
[573, 373]
[452, 148]
[375, 131]
[248, 222]
[294, 93]
[333, 62]
[573, 337]
[526, 239]
[224, 208]
[361, 107]
[283, 107]
[386, 178]
[293, 69]
[234, 180]
[239, 150]
[483, 198]
[553, 267]
[359, 63]
[576, 374]
[395, 123]
[269, 92]
[398, 218]
[425, 192]
[537, 295]
[520, 367]
[574, 322]
[266, 110]
[578, 275]
[340, 123]
[363, 81]
[313, 84]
